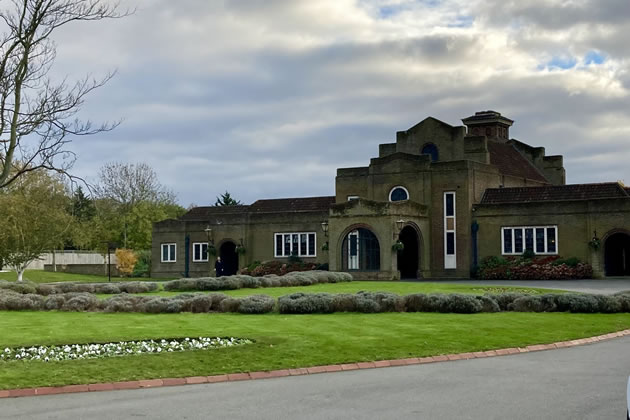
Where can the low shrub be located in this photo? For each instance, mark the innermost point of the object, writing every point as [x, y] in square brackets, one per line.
[505, 299]
[23, 288]
[138, 287]
[540, 303]
[306, 303]
[488, 304]
[107, 289]
[54, 302]
[292, 279]
[383, 302]
[573, 302]
[230, 304]
[13, 301]
[256, 304]
[81, 302]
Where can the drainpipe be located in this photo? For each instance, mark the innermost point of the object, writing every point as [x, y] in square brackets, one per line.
[474, 228]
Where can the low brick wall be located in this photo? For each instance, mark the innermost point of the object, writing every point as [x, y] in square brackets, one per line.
[91, 269]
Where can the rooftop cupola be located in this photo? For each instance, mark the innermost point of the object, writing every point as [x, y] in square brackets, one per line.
[490, 124]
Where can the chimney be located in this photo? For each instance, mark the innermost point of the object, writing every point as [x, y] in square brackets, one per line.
[490, 124]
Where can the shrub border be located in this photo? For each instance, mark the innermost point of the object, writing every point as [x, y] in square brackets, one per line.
[233, 377]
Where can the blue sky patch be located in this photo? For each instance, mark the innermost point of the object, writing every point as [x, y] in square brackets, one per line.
[562, 62]
[594, 57]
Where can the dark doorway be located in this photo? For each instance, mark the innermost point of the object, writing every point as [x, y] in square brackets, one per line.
[360, 251]
[408, 258]
[617, 255]
[229, 257]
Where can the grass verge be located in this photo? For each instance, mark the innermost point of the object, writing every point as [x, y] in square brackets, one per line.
[281, 341]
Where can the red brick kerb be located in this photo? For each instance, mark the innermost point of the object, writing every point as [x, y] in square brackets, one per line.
[232, 377]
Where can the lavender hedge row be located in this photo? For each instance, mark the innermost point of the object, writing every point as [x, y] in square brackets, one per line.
[313, 303]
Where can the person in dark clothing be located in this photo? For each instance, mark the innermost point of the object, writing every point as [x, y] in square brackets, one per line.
[219, 268]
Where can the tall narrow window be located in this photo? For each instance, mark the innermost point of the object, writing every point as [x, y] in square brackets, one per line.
[450, 246]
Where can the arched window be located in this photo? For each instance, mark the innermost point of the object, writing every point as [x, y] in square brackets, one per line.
[360, 251]
[431, 150]
[398, 194]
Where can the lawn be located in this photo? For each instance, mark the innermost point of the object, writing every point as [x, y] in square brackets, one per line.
[41, 276]
[282, 341]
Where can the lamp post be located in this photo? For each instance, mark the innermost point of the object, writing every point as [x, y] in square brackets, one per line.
[325, 229]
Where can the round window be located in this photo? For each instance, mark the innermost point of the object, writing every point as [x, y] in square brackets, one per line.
[398, 194]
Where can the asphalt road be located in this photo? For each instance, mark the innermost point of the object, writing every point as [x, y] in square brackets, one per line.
[587, 382]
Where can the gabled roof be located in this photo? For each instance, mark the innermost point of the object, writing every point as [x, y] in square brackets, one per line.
[204, 213]
[304, 204]
[573, 192]
[511, 162]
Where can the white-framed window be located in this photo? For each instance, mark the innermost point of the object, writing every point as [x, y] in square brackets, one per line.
[543, 240]
[398, 193]
[301, 244]
[450, 254]
[353, 197]
[169, 252]
[200, 252]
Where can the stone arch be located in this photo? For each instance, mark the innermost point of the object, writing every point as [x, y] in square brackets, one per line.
[226, 249]
[617, 252]
[409, 260]
[360, 248]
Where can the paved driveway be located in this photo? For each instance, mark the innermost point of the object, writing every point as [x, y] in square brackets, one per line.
[605, 287]
[587, 382]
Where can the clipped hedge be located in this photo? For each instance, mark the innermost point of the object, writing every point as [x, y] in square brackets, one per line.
[98, 288]
[317, 303]
[240, 281]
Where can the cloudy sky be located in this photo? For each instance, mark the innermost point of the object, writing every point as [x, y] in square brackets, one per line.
[266, 98]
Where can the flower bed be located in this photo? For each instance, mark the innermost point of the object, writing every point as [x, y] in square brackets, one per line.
[123, 348]
[539, 268]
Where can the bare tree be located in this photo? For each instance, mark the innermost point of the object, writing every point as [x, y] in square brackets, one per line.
[128, 185]
[37, 115]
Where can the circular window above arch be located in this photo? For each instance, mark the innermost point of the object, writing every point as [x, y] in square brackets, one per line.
[399, 193]
[431, 150]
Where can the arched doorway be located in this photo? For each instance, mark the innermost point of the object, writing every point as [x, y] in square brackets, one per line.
[617, 254]
[408, 258]
[360, 251]
[229, 257]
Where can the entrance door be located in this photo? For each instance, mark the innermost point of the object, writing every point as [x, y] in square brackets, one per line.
[409, 257]
[617, 255]
[229, 258]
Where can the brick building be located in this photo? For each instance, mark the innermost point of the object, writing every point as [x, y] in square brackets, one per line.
[451, 194]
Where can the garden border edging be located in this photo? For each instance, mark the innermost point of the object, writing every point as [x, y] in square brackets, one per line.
[232, 377]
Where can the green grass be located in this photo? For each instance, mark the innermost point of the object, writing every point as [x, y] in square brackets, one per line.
[282, 341]
[41, 276]
[401, 288]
